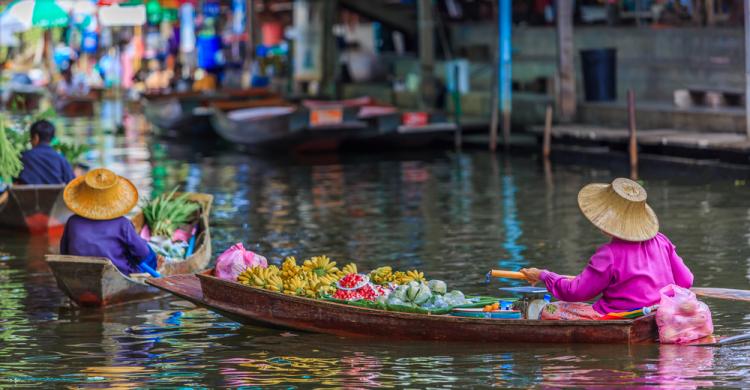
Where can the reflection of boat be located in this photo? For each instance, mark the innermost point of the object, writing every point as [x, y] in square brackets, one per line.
[75, 106]
[289, 128]
[36, 209]
[95, 281]
[250, 305]
[187, 113]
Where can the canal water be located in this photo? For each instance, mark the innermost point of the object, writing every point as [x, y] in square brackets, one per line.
[453, 216]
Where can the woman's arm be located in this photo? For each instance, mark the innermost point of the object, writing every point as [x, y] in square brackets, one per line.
[681, 273]
[590, 283]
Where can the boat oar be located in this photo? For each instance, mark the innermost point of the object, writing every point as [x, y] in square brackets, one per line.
[504, 274]
[722, 293]
[739, 339]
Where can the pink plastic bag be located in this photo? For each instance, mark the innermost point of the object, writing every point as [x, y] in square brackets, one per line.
[681, 316]
[235, 260]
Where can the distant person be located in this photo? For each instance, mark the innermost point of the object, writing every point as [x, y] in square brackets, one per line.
[70, 86]
[42, 164]
[99, 228]
[628, 271]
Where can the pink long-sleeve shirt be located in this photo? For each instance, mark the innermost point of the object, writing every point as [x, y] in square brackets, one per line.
[628, 275]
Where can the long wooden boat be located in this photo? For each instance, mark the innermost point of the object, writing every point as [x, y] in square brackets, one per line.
[254, 306]
[96, 282]
[187, 114]
[35, 209]
[288, 128]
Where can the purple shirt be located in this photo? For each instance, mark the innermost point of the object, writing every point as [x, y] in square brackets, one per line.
[628, 275]
[43, 165]
[114, 239]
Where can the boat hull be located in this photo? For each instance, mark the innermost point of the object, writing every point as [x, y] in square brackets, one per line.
[75, 106]
[253, 306]
[96, 282]
[34, 209]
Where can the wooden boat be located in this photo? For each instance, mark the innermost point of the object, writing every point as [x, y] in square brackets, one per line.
[254, 306]
[95, 281]
[187, 114]
[35, 209]
[75, 106]
[288, 128]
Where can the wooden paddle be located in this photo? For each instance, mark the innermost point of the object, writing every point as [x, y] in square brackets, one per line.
[710, 292]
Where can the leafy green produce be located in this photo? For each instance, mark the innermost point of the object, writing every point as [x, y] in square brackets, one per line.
[72, 152]
[10, 157]
[165, 213]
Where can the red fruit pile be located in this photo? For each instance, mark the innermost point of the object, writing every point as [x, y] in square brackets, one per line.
[351, 280]
[368, 291]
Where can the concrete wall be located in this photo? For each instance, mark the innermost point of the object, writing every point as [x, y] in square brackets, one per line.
[654, 62]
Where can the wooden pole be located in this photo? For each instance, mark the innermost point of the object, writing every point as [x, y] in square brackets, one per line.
[457, 107]
[426, 28]
[494, 85]
[747, 68]
[633, 142]
[547, 135]
[250, 29]
[566, 61]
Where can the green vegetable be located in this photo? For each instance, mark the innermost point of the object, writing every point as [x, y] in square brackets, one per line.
[10, 157]
[70, 151]
[437, 286]
[165, 213]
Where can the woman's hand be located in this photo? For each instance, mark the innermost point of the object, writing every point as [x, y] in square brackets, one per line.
[533, 275]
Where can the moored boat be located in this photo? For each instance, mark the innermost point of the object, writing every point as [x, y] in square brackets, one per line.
[288, 128]
[36, 209]
[95, 281]
[188, 113]
[253, 306]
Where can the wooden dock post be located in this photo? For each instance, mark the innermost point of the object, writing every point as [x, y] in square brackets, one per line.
[633, 142]
[566, 72]
[547, 135]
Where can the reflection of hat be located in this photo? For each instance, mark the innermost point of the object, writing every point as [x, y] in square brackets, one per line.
[100, 194]
[619, 209]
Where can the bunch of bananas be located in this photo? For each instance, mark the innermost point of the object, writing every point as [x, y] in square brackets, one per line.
[289, 268]
[406, 277]
[295, 286]
[267, 278]
[382, 275]
[320, 285]
[350, 268]
[320, 266]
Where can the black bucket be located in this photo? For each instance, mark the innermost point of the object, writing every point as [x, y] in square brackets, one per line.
[599, 74]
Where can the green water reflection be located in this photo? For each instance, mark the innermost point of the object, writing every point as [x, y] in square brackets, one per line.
[454, 216]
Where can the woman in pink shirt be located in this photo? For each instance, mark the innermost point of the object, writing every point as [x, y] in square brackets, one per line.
[629, 270]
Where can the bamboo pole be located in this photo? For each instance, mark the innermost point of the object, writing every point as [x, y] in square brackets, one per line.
[566, 72]
[633, 141]
[547, 135]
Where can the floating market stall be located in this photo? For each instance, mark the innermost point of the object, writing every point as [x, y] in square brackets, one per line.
[318, 297]
[94, 281]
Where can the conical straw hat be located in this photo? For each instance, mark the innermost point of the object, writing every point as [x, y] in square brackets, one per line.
[100, 194]
[619, 209]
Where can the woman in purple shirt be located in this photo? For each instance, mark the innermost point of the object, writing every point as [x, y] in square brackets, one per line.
[100, 199]
[627, 272]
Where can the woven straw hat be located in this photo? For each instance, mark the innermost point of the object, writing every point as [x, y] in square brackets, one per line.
[619, 209]
[101, 194]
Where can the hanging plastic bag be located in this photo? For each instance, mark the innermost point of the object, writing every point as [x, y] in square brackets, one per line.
[235, 260]
[681, 316]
